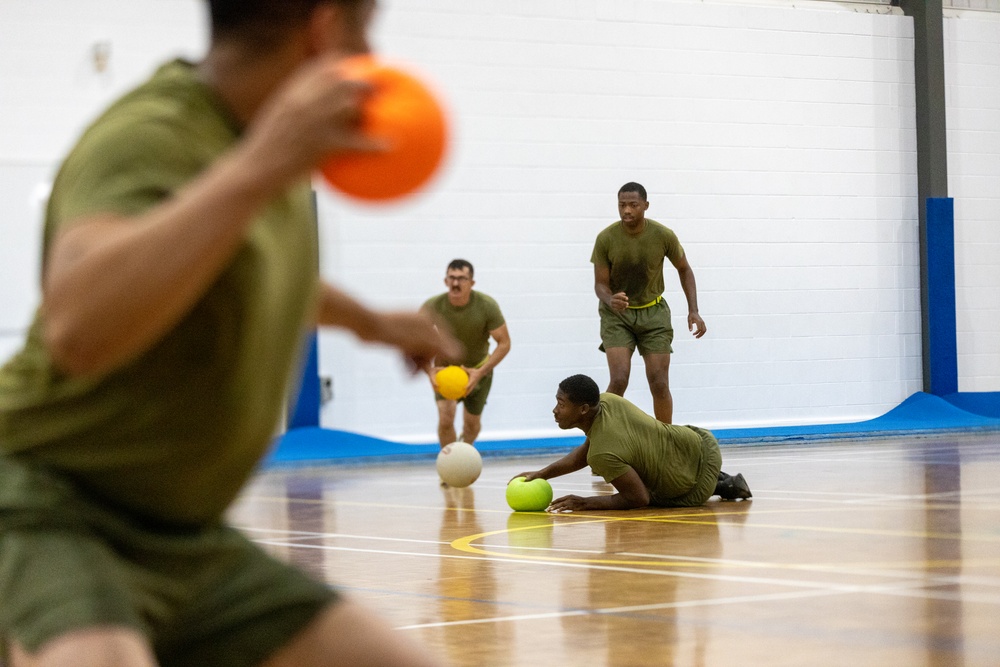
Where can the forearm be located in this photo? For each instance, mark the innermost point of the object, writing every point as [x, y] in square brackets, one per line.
[496, 356]
[603, 291]
[616, 501]
[690, 289]
[575, 460]
[413, 333]
[112, 287]
[339, 309]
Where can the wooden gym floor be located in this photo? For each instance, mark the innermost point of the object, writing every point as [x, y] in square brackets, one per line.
[875, 552]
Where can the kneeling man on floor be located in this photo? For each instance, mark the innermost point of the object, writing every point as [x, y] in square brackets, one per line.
[648, 462]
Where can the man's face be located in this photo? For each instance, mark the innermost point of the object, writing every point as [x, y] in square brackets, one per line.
[567, 413]
[632, 207]
[459, 283]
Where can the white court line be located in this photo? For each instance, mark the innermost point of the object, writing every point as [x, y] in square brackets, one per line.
[289, 537]
[307, 534]
[624, 610]
[900, 590]
[830, 568]
[918, 580]
[792, 583]
[685, 604]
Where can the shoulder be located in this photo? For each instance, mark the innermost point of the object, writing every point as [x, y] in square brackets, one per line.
[484, 298]
[172, 102]
[610, 230]
[660, 229]
[486, 303]
[144, 146]
[612, 401]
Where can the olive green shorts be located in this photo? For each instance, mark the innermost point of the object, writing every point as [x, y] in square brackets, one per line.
[201, 596]
[708, 475]
[648, 329]
[475, 402]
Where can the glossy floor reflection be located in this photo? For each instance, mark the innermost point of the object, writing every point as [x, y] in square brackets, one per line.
[856, 553]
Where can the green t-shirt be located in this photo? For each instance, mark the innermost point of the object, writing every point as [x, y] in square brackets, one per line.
[636, 262]
[666, 457]
[174, 434]
[471, 324]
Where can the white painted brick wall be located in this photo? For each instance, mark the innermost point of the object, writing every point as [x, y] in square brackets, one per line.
[972, 61]
[49, 91]
[778, 142]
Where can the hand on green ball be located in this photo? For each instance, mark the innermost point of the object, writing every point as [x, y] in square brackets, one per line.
[525, 495]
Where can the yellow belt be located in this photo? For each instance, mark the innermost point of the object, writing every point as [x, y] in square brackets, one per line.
[647, 305]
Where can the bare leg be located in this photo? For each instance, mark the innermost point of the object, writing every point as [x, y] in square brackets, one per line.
[471, 425]
[92, 647]
[619, 366]
[446, 422]
[658, 376]
[348, 634]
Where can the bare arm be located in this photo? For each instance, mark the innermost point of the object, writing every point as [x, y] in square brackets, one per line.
[575, 460]
[502, 338]
[413, 333]
[632, 494]
[686, 275]
[113, 286]
[602, 287]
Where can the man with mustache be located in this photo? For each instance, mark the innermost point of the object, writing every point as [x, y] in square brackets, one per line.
[473, 318]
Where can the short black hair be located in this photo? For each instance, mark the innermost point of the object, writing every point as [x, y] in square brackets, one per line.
[459, 264]
[581, 390]
[255, 21]
[633, 187]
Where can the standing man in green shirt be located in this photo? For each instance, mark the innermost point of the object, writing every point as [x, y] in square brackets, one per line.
[473, 318]
[179, 281]
[647, 461]
[628, 279]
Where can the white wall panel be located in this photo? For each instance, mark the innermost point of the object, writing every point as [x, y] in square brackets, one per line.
[972, 74]
[777, 139]
[778, 142]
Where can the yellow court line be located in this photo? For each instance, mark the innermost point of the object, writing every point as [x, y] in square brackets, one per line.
[695, 518]
[698, 520]
[465, 545]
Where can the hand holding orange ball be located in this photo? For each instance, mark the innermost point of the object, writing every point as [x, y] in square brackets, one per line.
[406, 116]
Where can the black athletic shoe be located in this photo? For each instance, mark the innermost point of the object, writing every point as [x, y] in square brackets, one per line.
[733, 487]
[741, 487]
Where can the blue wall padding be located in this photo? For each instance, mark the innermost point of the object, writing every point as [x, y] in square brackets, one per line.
[986, 403]
[319, 444]
[305, 412]
[940, 260]
[919, 414]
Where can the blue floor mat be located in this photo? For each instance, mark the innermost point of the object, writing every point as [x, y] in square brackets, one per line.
[918, 414]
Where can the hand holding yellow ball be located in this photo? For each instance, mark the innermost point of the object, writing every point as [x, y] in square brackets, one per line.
[451, 382]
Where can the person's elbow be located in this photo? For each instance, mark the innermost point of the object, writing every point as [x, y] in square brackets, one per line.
[70, 347]
[635, 498]
[67, 350]
[640, 501]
